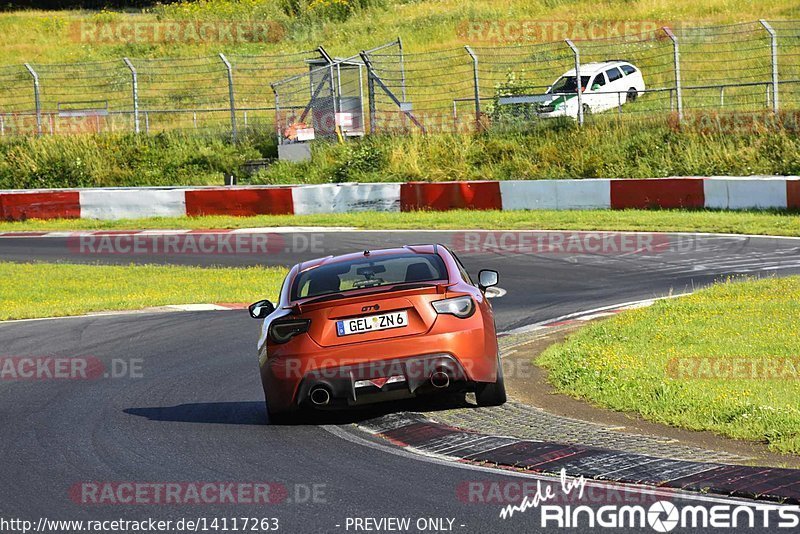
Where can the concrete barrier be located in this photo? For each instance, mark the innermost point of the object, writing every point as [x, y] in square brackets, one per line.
[442, 196]
[658, 193]
[132, 203]
[240, 201]
[735, 193]
[342, 198]
[732, 193]
[19, 206]
[555, 194]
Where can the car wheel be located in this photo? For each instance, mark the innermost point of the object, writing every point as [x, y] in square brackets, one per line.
[632, 95]
[492, 393]
[586, 110]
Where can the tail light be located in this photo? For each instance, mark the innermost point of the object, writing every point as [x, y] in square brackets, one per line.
[461, 307]
[283, 331]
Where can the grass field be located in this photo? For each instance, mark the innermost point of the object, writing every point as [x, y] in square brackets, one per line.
[52, 290]
[347, 25]
[741, 222]
[641, 148]
[724, 359]
[595, 151]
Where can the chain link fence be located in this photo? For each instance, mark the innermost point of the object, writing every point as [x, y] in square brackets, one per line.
[690, 73]
[203, 95]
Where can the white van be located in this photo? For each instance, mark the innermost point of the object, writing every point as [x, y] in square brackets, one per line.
[604, 86]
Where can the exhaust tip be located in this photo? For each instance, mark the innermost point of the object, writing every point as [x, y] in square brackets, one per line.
[440, 379]
[320, 396]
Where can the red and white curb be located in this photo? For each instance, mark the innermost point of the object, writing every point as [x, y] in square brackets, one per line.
[153, 232]
[716, 192]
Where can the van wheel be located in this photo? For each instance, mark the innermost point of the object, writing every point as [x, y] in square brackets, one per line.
[586, 110]
[492, 393]
[632, 95]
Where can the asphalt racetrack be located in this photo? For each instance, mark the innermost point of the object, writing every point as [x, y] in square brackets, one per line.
[196, 412]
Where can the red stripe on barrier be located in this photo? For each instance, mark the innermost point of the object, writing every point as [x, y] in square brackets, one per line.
[240, 202]
[793, 194]
[48, 205]
[442, 196]
[657, 193]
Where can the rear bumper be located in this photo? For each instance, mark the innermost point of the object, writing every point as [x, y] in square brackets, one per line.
[468, 355]
[380, 381]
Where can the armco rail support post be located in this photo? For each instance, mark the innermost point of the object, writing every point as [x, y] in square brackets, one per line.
[36, 98]
[578, 87]
[677, 62]
[476, 87]
[774, 46]
[229, 69]
[135, 88]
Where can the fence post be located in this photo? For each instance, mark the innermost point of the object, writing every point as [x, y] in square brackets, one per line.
[278, 120]
[373, 120]
[677, 60]
[333, 81]
[774, 45]
[135, 85]
[578, 88]
[475, 81]
[402, 69]
[36, 98]
[230, 95]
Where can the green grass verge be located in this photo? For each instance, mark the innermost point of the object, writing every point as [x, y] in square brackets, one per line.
[757, 222]
[669, 362]
[345, 26]
[48, 290]
[554, 149]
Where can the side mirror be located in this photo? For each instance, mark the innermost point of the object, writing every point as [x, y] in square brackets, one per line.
[260, 309]
[487, 278]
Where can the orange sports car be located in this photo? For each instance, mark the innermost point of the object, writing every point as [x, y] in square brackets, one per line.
[377, 326]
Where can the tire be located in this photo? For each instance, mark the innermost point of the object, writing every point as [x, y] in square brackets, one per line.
[587, 111]
[492, 393]
[632, 95]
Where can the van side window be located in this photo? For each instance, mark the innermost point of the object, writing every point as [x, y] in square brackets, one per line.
[600, 80]
[628, 69]
[613, 74]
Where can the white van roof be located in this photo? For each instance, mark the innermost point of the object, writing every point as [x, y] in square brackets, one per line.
[590, 69]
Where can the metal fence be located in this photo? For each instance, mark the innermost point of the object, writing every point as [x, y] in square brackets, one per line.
[216, 94]
[690, 72]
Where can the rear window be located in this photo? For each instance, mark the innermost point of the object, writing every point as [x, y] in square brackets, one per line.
[613, 74]
[368, 272]
[628, 69]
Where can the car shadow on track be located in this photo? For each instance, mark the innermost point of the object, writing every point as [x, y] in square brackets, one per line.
[253, 412]
[225, 413]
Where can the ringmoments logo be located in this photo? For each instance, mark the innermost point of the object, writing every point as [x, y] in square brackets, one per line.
[665, 516]
[563, 505]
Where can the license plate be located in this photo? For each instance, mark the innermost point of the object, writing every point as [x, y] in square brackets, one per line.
[372, 323]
